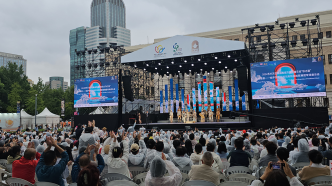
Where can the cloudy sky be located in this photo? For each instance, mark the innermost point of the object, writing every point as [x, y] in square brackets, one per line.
[39, 29]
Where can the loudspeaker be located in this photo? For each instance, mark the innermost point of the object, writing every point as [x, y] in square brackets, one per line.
[243, 79]
[128, 93]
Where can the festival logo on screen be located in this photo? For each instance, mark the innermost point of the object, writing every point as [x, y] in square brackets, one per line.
[159, 51]
[195, 47]
[177, 50]
[288, 78]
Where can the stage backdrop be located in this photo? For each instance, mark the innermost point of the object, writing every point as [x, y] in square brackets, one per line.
[288, 78]
[96, 92]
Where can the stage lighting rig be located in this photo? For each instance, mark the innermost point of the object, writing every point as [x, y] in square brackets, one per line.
[291, 24]
[282, 26]
[262, 28]
[315, 40]
[303, 23]
[293, 43]
[304, 42]
[313, 21]
[271, 27]
[251, 30]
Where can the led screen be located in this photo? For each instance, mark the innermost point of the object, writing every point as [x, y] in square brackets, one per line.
[96, 92]
[288, 78]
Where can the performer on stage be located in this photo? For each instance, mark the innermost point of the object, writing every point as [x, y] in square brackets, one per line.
[218, 114]
[188, 115]
[202, 116]
[171, 116]
[194, 116]
[183, 116]
[210, 115]
[179, 114]
[139, 118]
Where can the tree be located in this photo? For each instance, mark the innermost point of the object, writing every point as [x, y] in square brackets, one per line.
[30, 104]
[2, 94]
[69, 103]
[13, 97]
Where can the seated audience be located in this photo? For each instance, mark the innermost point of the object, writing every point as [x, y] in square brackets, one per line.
[14, 154]
[315, 168]
[280, 139]
[193, 141]
[315, 144]
[302, 155]
[239, 157]
[205, 171]
[271, 156]
[156, 174]
[222, 151]
[89, 176]
[47, 170]
[83, 160]
[197, 155]
[283, 155]
[189, 147]
[180, 160]
[137, 155]
[202, 141]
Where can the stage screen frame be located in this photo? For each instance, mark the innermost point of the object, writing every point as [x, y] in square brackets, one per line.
[107, 95]
[295, 78]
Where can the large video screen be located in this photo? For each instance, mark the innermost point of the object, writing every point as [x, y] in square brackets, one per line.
[288, 78]
[96, 92]
[9, 121]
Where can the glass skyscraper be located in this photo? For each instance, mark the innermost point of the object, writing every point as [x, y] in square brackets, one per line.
[77, 43]
[5, 58]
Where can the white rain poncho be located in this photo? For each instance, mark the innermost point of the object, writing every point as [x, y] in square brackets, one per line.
[287, 141]
[213, 141]
[138, 159]
[273, 139]
[302, 155]
[155, 176]
[182, 161]
[119, 165]
[36, 142]
[232, 146]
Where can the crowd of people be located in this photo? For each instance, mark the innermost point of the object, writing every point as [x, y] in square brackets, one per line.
[85, 153]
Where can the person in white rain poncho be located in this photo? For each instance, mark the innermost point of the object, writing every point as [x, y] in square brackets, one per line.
[180, 160]
[155, 176]
[87, 138]
[287, 141]
[118, 158]
[137, 155]
[302, 155]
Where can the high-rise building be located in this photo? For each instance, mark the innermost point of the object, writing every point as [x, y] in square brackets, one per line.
[31, 82]
[57, 82]
[77, 43]
[5, 58]
[110, 15]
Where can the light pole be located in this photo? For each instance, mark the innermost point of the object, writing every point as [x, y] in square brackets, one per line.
[36, 111]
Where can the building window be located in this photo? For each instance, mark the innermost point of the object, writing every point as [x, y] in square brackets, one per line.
[330, 58]
[325, 79]
[294, 37]
[258, 38]
[236, 39]
[302, 37]
[328, 34]
[330, 78]
[320, 35]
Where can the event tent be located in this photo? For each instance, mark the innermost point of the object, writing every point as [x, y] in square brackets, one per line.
[26, 119]
[47, 117]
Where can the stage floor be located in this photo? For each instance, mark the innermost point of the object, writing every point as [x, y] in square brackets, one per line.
[200, 125]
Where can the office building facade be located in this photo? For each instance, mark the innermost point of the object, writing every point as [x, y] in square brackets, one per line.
[57, 82]
[77, 43]
[5, 58]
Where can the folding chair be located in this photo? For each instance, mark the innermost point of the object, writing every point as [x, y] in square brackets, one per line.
[238, 169]
[45, 184]
[233, 183]
[137, 170]
[198, 183]
[246, 178]
[111, 177]
[121, 183]
[320, 180]
[140, 178]
[18, 182]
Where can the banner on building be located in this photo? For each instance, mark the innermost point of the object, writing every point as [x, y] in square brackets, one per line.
[236, 83]
[205, 93]
[224, 105]
[194, 99]
[182, 99]
[166, 99]
[199, 93]
[230, 101]
[63, 107]
[188, 102]
[211, 96]
[171, 93]
[161, 102]
[244, 102]
[177, 96]
[218, 97]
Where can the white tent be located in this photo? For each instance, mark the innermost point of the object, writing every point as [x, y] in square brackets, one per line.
[47, 117]
[26, 119]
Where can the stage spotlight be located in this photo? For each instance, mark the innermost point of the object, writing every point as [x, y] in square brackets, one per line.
[272, 45]
[201, 69]
[179, 71]
[89, 51]
[189, 70]
[208, 73]
[215, 57]
[180, 66]
[231, 71]
[262, 28]
[293, 43]
[199, 59]
[304, 42]
[95, 65]
[192, 65]
[167, 67]
[144, 69]
[225, 70]
[235, 60]
[155, 68]
[303, 23]
[253, 47]
[205, 63]
[172, 62]
[135, 66]
[251, 30]
[107, 64]
[226, 67]
[89, 65]
[219, 61]
[219, 72]
[282, 26]
[317, 16]
[95, 51]
[167, 72]
[147, 65]
[313, 21]
[185, 61]
[256, 25]
[229, 56]
[315, 40]
[283, 44]
[271, 27]
[276, 22]
[264, 45]
[212, 68]
[291, 24]
[159, 64]
[296, 19]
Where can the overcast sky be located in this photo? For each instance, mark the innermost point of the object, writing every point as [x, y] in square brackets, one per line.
[39, 29]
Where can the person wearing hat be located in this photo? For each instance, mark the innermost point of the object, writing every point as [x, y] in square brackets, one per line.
[137, 154]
